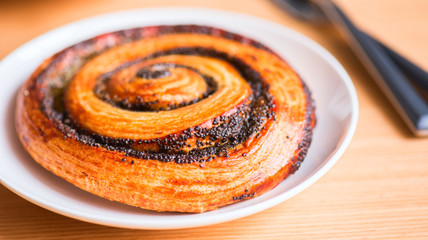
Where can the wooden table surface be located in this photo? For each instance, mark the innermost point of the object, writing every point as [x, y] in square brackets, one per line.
[378, 189]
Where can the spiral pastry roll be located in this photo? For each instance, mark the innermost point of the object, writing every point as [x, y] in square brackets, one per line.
[169, 118]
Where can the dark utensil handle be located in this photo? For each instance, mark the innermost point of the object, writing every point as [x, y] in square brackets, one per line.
[415, 74]
[310, 11]
[391, 80]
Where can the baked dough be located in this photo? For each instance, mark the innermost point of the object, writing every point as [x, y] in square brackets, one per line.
[169, 118]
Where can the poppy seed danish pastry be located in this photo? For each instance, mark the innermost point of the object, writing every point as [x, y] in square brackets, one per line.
[179, 118]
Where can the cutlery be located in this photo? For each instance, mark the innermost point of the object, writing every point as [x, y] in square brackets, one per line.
[391, 71]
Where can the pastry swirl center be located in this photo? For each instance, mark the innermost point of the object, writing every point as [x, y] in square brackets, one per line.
[156, 87]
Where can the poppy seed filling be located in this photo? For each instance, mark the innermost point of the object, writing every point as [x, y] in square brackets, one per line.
[195, 144]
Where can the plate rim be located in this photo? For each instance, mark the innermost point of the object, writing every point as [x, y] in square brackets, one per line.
[238, 213]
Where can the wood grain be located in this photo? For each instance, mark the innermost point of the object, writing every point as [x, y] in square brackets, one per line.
[377, 190]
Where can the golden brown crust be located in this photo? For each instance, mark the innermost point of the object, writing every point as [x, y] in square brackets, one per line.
[167, 118]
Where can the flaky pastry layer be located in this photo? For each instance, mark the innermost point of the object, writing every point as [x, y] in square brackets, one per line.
[168, 118]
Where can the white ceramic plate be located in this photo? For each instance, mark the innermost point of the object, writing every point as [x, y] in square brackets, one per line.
[334, 94]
